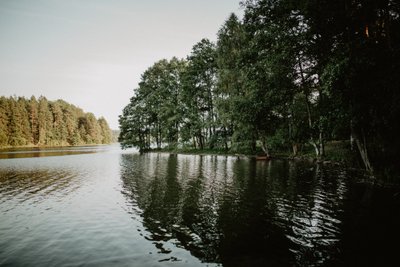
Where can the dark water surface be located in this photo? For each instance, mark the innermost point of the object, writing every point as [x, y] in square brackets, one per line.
[100, 206]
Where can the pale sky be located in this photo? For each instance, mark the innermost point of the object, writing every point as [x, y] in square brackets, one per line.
[92, 53]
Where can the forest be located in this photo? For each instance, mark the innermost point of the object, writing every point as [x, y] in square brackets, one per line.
[39, 122]
[288, 75]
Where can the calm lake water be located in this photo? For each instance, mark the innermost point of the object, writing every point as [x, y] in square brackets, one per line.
[100, 206]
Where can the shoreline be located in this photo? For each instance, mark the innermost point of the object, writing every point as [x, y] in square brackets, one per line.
[367, 177]
[277, 156]
[49, 146]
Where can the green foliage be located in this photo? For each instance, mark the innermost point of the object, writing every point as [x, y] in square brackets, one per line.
[4, 121]
[278, 141]
[198, 91]
[31, 122]
[155, 113]
[18, 125]
[293, 74]
[106, 134]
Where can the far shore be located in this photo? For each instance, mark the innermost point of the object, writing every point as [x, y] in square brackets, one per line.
[50, 146]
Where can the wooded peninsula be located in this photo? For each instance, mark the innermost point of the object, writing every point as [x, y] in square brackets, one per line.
[290, 76]
[39, 122]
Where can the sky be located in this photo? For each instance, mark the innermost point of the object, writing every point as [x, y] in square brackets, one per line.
[91, 53]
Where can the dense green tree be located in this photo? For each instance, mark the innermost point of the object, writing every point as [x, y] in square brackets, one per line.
[33, 111]
[134, 132]
[358, 48]
[160, 91]
[18, 127]
[71, 120]
[89, 129]
[154, 114]
[199, 85]
[59, 128]
[298, 134]
[230, 46]
[4, 121]
[290, 74]
[45, 119]
[48, 123]
[105, 134]
[268, 61]
[25, 125]
[14, 129]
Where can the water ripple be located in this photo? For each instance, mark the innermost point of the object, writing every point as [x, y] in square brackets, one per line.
[163, 209]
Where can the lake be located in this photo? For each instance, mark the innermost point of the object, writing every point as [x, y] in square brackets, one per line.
[102, 206]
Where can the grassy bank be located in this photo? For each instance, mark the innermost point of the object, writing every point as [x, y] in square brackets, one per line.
[335, 152]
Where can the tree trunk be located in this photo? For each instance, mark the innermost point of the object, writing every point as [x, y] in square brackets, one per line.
[316, 148]
[158, 141]
[194, 143]
[264, 146]
[225, 137]
[351, 136]
[321, 143]
[295, 148]
[201, 141]
[362, 148]
[319, 147]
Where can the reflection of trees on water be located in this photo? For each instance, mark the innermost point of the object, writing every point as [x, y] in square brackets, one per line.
[238, 212]
[215, 207]
[198, 213]
[371, 231]
[250, 237]
[310, 206]
[163, 196]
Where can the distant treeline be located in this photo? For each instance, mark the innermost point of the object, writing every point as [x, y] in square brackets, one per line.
[289, 74]
[39, 122]
[115, 135]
